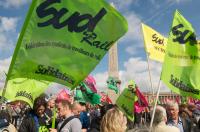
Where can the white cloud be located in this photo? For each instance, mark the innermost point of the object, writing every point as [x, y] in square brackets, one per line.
[3, 40]
[8, 23]
[4, 65]
[123, 4]
[101, 79]
[135, 49]
[7, 30]
[134, 28]
[13, 3]
[135, 69]
[134, 36]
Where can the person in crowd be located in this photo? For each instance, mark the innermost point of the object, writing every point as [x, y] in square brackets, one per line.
[50, 108]
[19, 110]
[184, 124]
[76, 109]
[113, 121]
[84, 116]
[96, 112]
[184, 112]
[194, 115]
[197, 127]
[51, 104]
[95, 123]
[69, 122]
[5, 122]
[35, 119]
[143, 129]
[160, 119]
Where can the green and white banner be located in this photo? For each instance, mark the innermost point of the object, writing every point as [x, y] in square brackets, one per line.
[181, 67]
[63, 40]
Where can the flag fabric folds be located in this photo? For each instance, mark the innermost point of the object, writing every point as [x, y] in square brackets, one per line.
[155, 43]
[180, 71]
[63, 41]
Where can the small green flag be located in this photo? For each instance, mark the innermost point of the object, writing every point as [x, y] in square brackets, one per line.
[79, 96]
[63, 40]
[85, 94]
[112, 84]
[181, 67]
[126, 102]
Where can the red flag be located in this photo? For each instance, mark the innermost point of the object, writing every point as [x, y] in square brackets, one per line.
[141, 103]
[91, 83]
[105, 98]
[142, 100]
[63, 95]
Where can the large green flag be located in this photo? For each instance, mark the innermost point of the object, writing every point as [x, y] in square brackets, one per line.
[63, 40]
[25, 89]
[181, 67]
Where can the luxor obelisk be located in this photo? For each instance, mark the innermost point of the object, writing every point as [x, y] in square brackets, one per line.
[113, 70]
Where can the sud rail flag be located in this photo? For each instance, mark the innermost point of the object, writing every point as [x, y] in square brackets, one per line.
[180, 71]
[155, 43]
[63, 40]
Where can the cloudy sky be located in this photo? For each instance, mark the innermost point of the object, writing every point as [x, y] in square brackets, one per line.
[132, 58]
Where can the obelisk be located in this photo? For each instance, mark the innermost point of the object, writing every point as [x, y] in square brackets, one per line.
[113, 70]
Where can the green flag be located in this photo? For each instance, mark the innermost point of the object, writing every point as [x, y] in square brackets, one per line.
[85, 94]
[25, 89]
[63, 40]
[126, 102]
[79, 96]
[112, 84]
[181, 67]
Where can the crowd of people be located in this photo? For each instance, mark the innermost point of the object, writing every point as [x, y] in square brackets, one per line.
[55, 115]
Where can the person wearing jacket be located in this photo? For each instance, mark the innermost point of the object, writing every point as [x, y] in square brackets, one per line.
[36, 118]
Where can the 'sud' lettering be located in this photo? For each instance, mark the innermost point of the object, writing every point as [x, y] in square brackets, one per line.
[182, 37]
[77, 22]
[157, 40]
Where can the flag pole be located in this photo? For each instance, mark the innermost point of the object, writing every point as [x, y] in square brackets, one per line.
[150, 74]
[154, 109]
[4, 90]
[147, 57]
